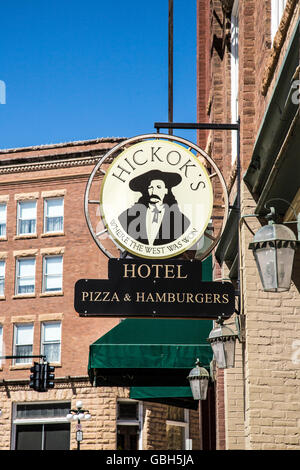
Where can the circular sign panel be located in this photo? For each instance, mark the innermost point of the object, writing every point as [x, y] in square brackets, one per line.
[156, 199]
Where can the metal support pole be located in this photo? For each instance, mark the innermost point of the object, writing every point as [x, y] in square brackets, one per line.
[197, 125]
[23, 357]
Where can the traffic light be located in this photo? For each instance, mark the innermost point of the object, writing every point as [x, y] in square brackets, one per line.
[36, 377]
[42, 377]
[48, 376]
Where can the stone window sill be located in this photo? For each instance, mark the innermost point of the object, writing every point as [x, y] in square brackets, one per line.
[53, 234]
[25, 236]
[24, 296]
[51, 294]
[20, 366]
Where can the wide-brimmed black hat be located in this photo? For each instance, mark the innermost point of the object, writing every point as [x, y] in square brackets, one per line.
[141, 182]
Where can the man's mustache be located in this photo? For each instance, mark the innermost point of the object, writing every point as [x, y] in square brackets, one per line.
[154, 196]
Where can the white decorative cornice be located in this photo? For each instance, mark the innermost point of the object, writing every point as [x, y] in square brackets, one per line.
[49, 165]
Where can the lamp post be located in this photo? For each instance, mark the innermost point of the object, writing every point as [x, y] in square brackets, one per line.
[78, 415]
[222, 340]
[198, 378]
[273, 248]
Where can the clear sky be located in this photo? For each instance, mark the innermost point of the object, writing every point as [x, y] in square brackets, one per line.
[77, 70]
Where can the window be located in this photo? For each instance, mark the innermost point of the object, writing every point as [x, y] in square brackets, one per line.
[54, 215]
[2, 276]
[26, 217]
[41, 426]
[129, 416]
[3, 209]
[23, 343]
[234, 75]
[277, 8]
[51, 341]
[25, 280]
[52, 273]
[177, 428]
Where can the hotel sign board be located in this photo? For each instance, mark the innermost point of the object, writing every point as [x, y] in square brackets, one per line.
[156, 289]
[155, 199]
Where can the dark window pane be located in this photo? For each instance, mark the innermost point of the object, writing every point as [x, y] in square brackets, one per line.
[57, 436]
[127, 437]
[128, 411]
[43, 410]
[29, 437]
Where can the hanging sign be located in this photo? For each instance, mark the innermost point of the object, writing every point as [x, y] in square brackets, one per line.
[156, 196]
[160, 289]
[156, 199]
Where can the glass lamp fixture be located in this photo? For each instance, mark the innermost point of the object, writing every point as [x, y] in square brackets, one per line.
[273, 248]
[222, 340]
[198, 378]
[78, 414]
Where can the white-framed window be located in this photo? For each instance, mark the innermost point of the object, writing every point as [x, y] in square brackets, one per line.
[41, 426]
[3, 215]
[177, 427]
[277, 8]
[26, 223]
[52, 273]
[51, 341]
[54, 215]
[234, 75]
[2, 276]
[129, 424]
[23, 342]
[25, 276]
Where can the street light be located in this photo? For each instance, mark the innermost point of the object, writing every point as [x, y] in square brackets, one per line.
[273, 248]
[78, 415]
[198, 378]
[222, 340]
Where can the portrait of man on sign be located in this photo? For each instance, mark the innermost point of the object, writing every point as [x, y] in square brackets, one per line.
[155, 219]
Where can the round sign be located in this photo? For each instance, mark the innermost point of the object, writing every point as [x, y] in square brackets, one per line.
[156, 199]
[156, 196]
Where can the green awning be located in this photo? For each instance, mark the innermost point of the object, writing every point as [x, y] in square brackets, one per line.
[175, 396]
[147, 352]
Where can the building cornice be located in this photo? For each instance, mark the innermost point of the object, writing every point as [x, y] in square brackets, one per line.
[49, 165]
[30, 159]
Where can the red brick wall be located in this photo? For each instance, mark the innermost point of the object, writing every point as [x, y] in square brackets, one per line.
[81, 258]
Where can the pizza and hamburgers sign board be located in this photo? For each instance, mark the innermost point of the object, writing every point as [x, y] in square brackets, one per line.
[156, 200]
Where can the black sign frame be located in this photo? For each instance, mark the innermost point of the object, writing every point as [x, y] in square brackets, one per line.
[155, 289]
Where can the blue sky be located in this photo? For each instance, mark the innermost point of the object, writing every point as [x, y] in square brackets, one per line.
[77, 70]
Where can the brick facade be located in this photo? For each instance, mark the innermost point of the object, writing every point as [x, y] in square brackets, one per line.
[257, 407]
[35, 174]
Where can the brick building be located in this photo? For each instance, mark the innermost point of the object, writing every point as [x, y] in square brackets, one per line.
[45, 247]
[248, 62]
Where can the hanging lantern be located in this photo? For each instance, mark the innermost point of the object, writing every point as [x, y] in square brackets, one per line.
[198, 378]
[222, 340]
[273, 248]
